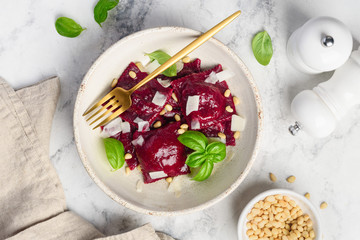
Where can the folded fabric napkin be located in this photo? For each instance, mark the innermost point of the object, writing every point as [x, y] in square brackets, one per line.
[32, 201]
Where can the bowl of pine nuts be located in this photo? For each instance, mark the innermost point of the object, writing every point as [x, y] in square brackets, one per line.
[279, 214]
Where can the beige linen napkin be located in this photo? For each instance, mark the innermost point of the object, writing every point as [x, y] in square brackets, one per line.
[32, 201]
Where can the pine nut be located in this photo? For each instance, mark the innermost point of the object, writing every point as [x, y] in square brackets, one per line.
[307, 195]
[184, 126]
[169, 179]
[229, 109]
[272, 177]
[174, 97]
[236, 100]
[168, 107]
[236, 135]
[227, 93]
[181, 131]
[127, 170]
[132, 74]
[291, 179]
[162, 112]
[140, 66]
[128, 156]
[139, 168]
[222, 135]
[323, 205]
[157, 124]
[114, 82]
[177, 117]
[186, 59]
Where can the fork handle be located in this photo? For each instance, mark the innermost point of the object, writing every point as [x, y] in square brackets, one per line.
[186, 50]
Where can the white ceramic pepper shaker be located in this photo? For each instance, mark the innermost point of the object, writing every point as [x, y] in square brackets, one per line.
[322, 44]
[317, 111]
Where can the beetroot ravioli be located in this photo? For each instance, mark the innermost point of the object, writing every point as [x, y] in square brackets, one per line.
[194, 99]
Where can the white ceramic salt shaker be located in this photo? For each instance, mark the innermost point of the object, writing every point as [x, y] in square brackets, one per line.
[317, 111]
[322, 44]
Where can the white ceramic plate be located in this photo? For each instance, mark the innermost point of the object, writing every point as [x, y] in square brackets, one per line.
[154, 198]
[305, 205]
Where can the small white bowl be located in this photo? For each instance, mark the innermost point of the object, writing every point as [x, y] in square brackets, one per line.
[305, 205]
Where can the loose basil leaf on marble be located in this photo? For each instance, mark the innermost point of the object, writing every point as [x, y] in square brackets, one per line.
[115, 152]
[101, 10]
[67, 27]
[262, 48]
[161, 57]
[205, 171]
[216, 151]
[195, 140]
[195, 159]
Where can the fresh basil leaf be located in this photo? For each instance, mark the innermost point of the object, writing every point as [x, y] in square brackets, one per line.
[101, 10]
[195, 159]
[262, 48]
[194, 140]
[162, 57]
[216, 151]
[205, 171]
[115, 152]
[67, 27]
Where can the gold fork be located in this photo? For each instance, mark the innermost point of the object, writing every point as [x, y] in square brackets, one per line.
[119, 100]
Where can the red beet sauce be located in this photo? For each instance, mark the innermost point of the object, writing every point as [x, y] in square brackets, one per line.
[160, 150]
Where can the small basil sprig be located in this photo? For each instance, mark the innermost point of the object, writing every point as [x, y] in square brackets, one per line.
[115, 152]
[204, 155]
[101, 10]
[67, 27]
[262, 48]
[161, 57]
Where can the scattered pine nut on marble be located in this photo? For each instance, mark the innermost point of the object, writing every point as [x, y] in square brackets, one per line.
[291, 179]
[307, 195]
[323, 205]
[272, 177]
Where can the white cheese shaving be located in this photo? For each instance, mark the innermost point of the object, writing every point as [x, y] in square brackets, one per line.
[179, 66]
[139, 186]
[152, 66]
[159, 99]
[169, 114]
[195, 124]
[164, 83]
[175, 186]
[158, 174]
[237, 123]
[139, 141]
[224, 75]
[137, 120]
[143, 126]
[125, 126]
[112, 128]
[192, 104]
[212, 78]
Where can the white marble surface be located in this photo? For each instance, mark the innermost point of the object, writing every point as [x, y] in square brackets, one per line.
[31, 50]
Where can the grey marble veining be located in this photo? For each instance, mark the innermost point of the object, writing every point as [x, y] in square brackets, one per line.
[31, 50]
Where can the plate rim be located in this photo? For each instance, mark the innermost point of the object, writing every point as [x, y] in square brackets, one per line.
[206, 204]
